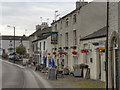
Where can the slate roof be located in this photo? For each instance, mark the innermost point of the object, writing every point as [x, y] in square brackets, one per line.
[9, 37]
[69, 13]
[41, 37]
[98, 34]
[44, 30]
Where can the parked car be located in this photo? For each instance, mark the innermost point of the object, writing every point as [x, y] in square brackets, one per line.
[15, 56]
[11, 56]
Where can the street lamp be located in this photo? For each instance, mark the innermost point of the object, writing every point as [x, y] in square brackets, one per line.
[14, 41]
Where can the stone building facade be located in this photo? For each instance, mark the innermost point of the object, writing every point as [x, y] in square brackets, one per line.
[114, 45]
[85, 19]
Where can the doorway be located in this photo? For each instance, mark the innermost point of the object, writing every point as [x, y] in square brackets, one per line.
[116, 65]
[99, 65]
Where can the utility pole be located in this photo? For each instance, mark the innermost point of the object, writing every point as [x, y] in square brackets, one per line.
[14, 41]
[41, 19]
[56, 15]
[107, 24]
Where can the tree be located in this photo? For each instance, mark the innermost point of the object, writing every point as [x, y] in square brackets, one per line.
[21, 50]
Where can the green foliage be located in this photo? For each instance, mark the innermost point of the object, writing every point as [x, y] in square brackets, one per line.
[21, 50]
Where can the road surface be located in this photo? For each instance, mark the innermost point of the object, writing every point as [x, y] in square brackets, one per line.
[15, 76]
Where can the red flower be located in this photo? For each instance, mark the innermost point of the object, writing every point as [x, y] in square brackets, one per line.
[64, 53]
[74, 52]
[54, 53]
[84, 50]
[48, 53]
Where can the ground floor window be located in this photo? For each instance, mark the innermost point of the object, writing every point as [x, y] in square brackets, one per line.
[66, 60]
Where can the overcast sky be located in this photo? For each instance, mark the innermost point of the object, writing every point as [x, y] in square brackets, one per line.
[25, 14]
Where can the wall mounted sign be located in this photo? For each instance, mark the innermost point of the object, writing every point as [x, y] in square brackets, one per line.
[54, 38]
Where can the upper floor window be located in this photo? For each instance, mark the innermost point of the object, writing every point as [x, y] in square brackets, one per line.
[55, 26]
[60, 39]
[67, 22]
[66, 39]
[40, 45]
[61, 25]
[44, 45]
[33, 47]
[74, 38]
[36, 46]
[74, 18]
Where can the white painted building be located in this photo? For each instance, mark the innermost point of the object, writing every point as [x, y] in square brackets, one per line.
[40, 42]
[44, 47]
[8, 43]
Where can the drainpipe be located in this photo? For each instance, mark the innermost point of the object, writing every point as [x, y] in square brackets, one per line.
[107, 24]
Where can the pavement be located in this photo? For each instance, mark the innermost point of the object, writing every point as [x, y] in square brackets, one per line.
[69, 81]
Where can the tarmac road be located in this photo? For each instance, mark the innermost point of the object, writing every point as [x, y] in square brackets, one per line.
[15, 76]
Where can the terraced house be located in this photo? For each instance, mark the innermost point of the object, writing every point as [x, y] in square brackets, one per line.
[77, 42]
[40, 42]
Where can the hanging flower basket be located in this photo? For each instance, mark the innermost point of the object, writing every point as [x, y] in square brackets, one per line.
[54, 53]
[62, 53]
[65, 53]
[48, 53]
[74, 52]
[84, 50]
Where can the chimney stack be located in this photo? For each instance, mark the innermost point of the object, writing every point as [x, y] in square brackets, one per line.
[80, 3]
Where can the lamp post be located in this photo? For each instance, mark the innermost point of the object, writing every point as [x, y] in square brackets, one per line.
[0, 45]
[14, 41]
